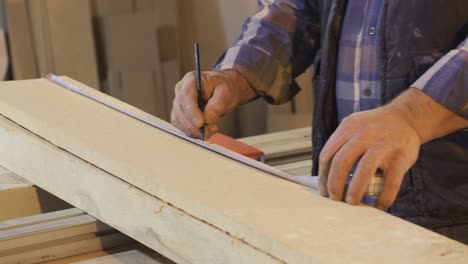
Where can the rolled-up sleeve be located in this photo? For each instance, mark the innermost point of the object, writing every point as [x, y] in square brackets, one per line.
[276, 45]
[447, 81]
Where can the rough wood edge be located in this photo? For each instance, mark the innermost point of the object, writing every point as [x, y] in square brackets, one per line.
[162, 227]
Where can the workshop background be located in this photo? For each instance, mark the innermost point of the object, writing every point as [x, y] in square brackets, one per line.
[136, 50]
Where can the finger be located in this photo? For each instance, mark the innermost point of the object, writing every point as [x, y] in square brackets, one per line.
[367, 167]
[340, 167]
[210, 130]
[392, 183]
[192, 112]
[186, 99]
[177, 124]
[187, 79]
[217, 106]
[323, 178]
[183, 123]
[209, 82]
[334, 143]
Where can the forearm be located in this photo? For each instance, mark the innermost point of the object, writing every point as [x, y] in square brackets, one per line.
[428, 118]
[274, 48]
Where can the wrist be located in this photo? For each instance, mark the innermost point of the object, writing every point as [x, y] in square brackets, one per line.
[245, 91]
[428, 118]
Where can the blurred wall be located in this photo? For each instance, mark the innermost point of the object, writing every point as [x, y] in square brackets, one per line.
[4, 58]
[2, 14]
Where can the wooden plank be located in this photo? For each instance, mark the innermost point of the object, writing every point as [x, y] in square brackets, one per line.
[29, 200]
[20, 40]
[26, 203]
[176, 199]
[132, 256]
[28, 235]
[72, 248]
[102, 253]
[163, 227]
[299, 168]
[39, 218]
[11, 181]
[4, 171]
[283, 147]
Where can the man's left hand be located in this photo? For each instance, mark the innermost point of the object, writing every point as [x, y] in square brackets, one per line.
[387, 138]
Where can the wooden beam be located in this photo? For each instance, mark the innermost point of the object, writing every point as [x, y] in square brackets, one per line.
[132, 256]
[299, 168]
[284, 147]
[39, 218]
[74, 247]
[53, 235]
[24, 236]
[29, 199]
[186, 202]
[163, 227]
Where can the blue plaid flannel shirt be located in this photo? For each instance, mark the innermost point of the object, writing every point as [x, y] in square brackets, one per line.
[262, 54]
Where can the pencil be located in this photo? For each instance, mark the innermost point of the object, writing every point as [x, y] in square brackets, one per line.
[201, 102]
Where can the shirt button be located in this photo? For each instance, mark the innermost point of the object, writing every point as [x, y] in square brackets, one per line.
[367, 92]
[371, 31]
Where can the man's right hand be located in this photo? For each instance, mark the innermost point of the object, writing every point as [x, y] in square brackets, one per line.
[222, 91]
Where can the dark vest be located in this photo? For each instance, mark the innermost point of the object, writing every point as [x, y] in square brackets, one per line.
[435, 190]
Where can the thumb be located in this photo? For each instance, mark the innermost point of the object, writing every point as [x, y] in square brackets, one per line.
[219, 104]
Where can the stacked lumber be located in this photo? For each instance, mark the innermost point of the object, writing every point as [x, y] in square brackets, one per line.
[55, 235]
[283, 147]
[187, 203]
[132, 256]
[42, 229]
[28, 198]
[297, 168]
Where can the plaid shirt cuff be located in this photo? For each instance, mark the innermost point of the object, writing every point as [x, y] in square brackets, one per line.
[265, 74]
[447, 81]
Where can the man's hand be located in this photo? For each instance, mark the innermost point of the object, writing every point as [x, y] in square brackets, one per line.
[387, 138]
[223, 91]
